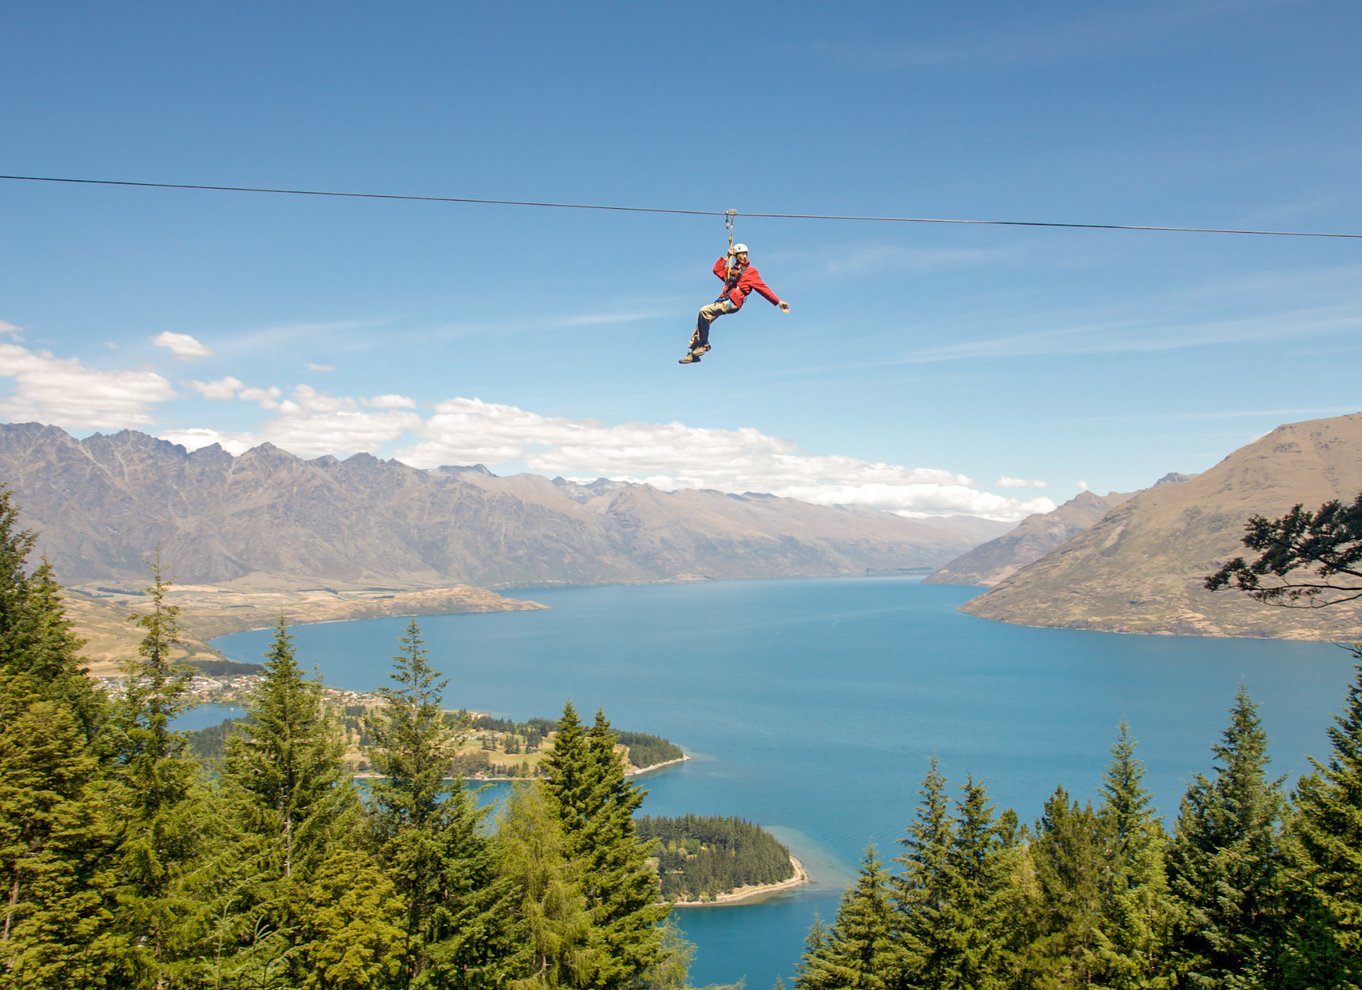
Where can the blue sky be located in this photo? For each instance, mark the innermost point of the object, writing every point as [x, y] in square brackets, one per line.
[924, 368]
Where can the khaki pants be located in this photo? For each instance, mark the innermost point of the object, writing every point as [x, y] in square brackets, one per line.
[708, 314]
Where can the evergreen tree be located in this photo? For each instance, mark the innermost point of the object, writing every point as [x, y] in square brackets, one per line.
[349, 921]
[919, 890]
[858, 951]
[556, 948]
[974, 923]
[1223, 863]
[595, 806]
[47, 650]
[291, 804]
[672, 969]
[956, 896]
[429, 838]
[15, 545]
[1136, 913]
[58, 927]
[1324, 872]
[157, 807]
[1069, 858]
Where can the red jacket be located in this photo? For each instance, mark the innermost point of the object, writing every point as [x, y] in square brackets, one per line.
[749, 280]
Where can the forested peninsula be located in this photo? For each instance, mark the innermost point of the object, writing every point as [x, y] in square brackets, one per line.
[706, 860]
[126, 864]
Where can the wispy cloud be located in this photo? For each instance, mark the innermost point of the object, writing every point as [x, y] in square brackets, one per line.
[865, 259]
[1132, 337]
[333, 336]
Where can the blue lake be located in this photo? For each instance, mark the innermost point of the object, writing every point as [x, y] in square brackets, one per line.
[813, 707]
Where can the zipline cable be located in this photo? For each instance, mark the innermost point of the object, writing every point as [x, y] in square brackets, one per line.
[728, 214]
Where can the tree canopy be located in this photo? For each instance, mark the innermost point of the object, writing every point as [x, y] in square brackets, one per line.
[1306, 559]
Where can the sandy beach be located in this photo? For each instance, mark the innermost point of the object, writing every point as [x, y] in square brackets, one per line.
[752, 892]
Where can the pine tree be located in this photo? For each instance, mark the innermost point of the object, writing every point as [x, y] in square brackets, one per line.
[1323, 869]
[1223, 863]
[291, 804]
[556, 946]
[859, 950]
[37, 642]
[977, 873]
[157, 806]
[595, 806]
[350, 927]
[1136, 913]
[429, 837]
[47, 650]
[919, 890]
[57, 926]
[15, 545]
[1068, 857]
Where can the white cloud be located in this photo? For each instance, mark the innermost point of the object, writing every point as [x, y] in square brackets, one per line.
[320, 368]
[389, 402]
[9, 328]
[181, 345]
[220, 390]
[196, 437]
[63, 392]
[309, 423]
[267, 397]
[673, 455]
[312, 423]
[1007, 482]
[234, 388]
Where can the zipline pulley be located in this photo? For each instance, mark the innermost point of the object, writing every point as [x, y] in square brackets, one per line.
[729, 217]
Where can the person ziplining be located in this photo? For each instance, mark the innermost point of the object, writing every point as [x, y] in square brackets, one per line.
[740, 279]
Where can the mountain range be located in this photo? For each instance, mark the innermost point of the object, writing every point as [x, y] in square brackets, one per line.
[105, 504]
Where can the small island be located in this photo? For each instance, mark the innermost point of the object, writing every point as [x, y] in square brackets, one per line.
[705, 860]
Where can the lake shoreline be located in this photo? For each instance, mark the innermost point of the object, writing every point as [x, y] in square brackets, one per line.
[752, 892]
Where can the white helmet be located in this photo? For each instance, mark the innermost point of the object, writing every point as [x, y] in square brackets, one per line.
[739, 248]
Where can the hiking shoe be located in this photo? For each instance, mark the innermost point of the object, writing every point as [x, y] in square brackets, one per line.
[691, 358]
[697, 351]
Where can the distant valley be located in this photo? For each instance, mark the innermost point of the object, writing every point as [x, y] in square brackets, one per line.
[247, 538]
[267, 522]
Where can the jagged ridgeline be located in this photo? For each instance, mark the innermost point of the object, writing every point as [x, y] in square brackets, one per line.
[701, 858]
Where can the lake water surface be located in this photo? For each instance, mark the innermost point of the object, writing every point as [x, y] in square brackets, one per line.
[813, 707]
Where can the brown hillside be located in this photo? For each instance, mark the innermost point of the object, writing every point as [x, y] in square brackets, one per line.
[1140, 569]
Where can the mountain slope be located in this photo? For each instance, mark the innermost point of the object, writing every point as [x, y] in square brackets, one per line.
[103, 505]
[1140, 569]
[1034, 537]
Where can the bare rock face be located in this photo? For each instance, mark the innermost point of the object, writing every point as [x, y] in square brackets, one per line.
[1141, 567]
[1034, 537]
[105, 505]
